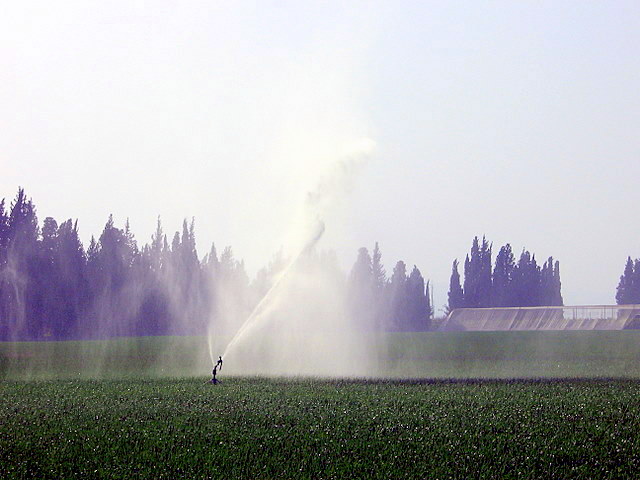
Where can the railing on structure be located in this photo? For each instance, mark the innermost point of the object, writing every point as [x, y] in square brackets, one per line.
[576, 317]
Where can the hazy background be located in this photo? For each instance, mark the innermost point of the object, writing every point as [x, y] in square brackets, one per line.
[518, 120]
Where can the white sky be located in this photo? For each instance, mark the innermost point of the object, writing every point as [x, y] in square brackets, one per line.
[518, 120]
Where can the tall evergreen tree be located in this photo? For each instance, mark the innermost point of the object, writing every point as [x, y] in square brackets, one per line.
[634, 294]
[23, 300]
[471, 275]
[456, 295]
[4, 286]
[49, 237]
[428, 296]
[4, 229]
[418, 314]
[115, 256]
[502, 277]
[379, 275]
[557, 299]
[398, 297]
[72, 285]
[477, 275]
[116, 301]
[381, 303]
[624, 292]
[550, 285]
[131, 244]
[526, 281]
[156, 250]
[360, 294]
[233, 301]
[484, 280]
[48, 269]
[211, 262]
[547, 283]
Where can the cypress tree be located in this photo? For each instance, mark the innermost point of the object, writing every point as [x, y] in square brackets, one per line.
[526, 281]
[418, 309]
[72, 280]
[381, 304]
[484, 274]
[624, 291]
[472, 267]
[156, 251]
[477, 275]
[48, 269]
[24, 300]
[4, 286]
[379, 275]
[398, 297]
[4, 229]
[360, 291]
[557, 299]
[547, 283]
[634, 294]
[533, 283]
[502, 276]
[429, 307]
[456, 295]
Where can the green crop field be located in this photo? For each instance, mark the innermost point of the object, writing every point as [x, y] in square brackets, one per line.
[503, 405]
[528, 354]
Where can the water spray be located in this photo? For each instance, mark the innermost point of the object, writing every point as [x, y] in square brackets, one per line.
[320, 200]
[254, 318]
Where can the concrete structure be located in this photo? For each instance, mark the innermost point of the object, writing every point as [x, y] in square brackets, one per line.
[578, 317]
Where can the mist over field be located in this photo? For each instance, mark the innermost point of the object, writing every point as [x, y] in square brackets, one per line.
[516, 121]
[319, 240]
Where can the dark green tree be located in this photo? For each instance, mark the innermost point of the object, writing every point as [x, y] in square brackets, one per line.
[471, 275]
[557, 286]
[360, 292]
[379, 274]
[502, 277]
[484, 282]
[115, 291]
[4, 230]
[47, 270]
[550, 285]
[4, 286]
[23, 300]
[156, 251]
[526, 281]
[418, 308]
[456, 295]
[379, 287]
[634, 288]
[547, 283]
[477, 275]
[624, 292]
[397, 291]
[72, 285]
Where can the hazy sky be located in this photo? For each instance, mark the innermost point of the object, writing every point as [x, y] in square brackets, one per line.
[518, 120]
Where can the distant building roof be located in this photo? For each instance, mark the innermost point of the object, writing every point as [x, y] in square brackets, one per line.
[575, 317]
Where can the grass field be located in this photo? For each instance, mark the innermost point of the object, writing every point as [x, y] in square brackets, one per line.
[258, 428]
[476, 424]
[399, 355]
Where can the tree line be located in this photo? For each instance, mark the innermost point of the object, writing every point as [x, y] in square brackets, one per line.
[628, 290]
[401, 302]
[51, 287]
[505, 284]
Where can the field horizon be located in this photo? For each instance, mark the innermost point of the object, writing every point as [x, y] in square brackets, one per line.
[445, 405]
[522, 354]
